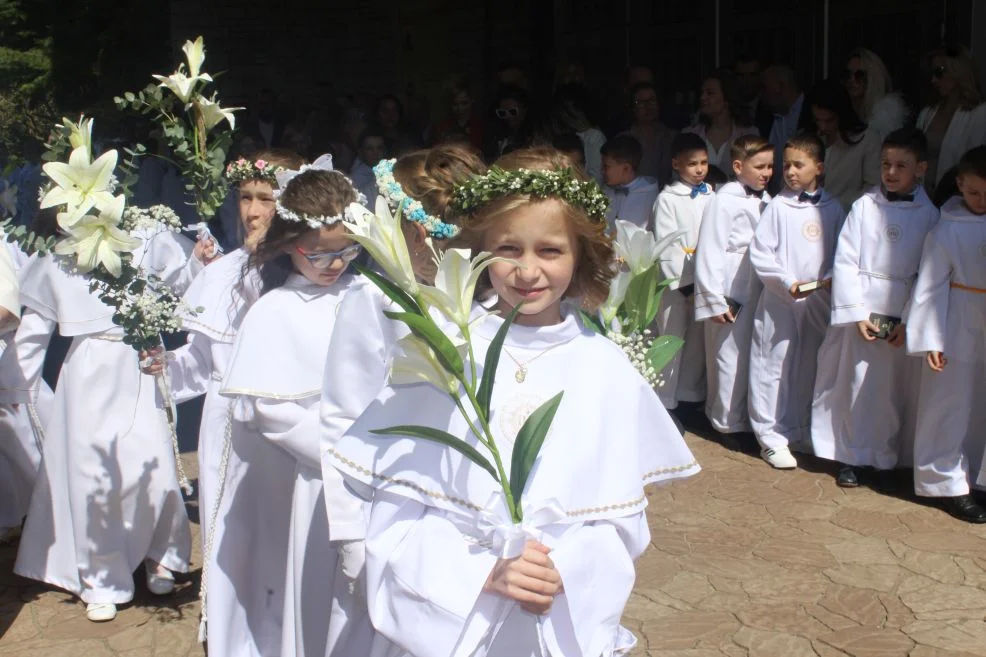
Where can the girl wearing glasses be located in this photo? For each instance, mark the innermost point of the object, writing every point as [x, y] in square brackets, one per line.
[275, 502]
[869, 86]
[956, 121]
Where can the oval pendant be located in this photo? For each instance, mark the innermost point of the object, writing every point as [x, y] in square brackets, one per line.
[521, 374]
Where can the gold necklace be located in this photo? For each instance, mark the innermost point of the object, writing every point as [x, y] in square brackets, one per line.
[521, 374]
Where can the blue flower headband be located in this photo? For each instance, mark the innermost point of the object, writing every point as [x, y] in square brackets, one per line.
[412, 210]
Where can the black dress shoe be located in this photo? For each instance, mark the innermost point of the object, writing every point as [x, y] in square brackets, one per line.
[884, 480]
[847, 478]
[964, 507]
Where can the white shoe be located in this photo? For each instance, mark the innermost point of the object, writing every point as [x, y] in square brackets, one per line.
[100, 612]
[160, 581]
[779, 457]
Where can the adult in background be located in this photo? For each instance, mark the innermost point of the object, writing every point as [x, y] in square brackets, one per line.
[655, 138]
[265, 127]
[782, 95]
[573, 112]
[749, 76]
[514, 127]
[463, 122]
[956, 121]
[852, 153]
[371, 148]
[869, 87]
[722, 118]
[389, 114]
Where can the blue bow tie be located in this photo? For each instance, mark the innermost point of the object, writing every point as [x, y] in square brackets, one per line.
[805, 197]
[700, 188]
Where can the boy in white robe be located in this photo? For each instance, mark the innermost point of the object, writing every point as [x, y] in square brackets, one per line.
[631, 197]
[679, 207]
[726, 290]
[791, 254]
[946, 323]
[864, 389]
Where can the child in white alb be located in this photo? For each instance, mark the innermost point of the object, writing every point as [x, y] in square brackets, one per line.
[791, 254]
[862, 412]
[726, 290]
[946, 323]
[680, 207]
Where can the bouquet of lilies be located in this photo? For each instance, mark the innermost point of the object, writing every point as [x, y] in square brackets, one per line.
[634, 298]
[443, 355]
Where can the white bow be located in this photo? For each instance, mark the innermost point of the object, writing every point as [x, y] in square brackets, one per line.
[509, 538]
[284, 176]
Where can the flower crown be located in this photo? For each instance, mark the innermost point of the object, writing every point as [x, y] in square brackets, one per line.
[284, 178]
[244, 169]
[561, 183]
[411, 209]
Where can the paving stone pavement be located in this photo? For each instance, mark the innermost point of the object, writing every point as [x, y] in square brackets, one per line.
[746, 562]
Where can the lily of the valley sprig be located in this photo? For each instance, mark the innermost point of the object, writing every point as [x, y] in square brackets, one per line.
[634, 299]
[197, 129]
[440, 353]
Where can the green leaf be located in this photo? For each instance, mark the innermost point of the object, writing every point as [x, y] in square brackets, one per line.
[528, 445]
[485, 392]
[438, 436]
[642, 299]
[424, 327]
[662, 350]
[393, 291]
[593, 322]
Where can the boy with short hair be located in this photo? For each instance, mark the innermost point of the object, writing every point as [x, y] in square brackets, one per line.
[948, 317]
[791, 254]
[371, 148]
[631, 196]
[866, 386]
[679, 207]
[726, 290]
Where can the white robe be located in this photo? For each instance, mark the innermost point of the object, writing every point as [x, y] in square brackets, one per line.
[794, 242]
[427, 559]
[106, 497]
[862, 412]
[292, 326]
[21, 429]
[949, 442]
[675, 210]
[635, 205]
[722, 269]
[198, 367]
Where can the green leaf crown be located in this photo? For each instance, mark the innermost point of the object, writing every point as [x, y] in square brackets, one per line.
[540, 184]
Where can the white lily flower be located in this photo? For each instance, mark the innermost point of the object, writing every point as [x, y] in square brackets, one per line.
[80, 185]
[638, 248]
[98, 240]
[417, 363]
[382, 237]
[617, 292]
[212, 113]
[455, 283]
[80, 133]
[195, 54]
[8, 200]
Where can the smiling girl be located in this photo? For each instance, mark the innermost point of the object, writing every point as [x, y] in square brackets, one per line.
[441, 579]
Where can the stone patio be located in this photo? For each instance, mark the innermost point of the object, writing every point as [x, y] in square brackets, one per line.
[746, 561]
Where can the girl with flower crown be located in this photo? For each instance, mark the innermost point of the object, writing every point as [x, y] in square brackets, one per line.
[106, 498]
[273, 501]
[418, 185]
[443, 575]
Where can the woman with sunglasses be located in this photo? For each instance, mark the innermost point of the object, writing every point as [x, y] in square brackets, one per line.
[869, 86]
[956, 121]
[274, 502]
[513, 127]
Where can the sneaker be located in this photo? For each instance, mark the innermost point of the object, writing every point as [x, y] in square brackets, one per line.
[964, 507]
[100, 612]
[779, 457]
[847, 478]
[160, 580]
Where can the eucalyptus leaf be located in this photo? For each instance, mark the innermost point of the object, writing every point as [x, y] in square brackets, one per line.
[528, 446]
[445, 438]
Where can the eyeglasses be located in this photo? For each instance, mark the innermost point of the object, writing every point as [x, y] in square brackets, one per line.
[856, 75]
[509, 113]
[939, 72]
[648, 102]
[328, 258]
